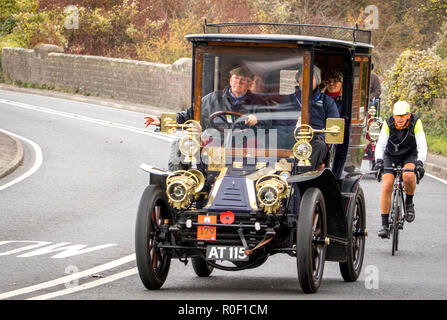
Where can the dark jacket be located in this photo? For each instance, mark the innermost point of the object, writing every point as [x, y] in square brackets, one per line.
[375, 89]
[322, 107]
[401, 143]
[222, 100]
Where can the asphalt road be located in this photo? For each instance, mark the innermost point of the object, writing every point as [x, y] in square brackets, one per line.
[67, 231]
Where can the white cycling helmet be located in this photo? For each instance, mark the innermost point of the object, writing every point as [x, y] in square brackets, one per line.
[401, 108]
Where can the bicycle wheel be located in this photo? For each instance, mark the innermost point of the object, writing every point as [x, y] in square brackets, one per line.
[395, 215]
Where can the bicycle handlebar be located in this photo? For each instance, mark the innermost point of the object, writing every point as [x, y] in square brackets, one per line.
[400, 169]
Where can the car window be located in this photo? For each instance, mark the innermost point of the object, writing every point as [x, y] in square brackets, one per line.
[272, 95]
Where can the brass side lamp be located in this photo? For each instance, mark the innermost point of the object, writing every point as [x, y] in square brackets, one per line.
[302, 150]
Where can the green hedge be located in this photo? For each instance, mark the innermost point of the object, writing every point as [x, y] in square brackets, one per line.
[419, 76]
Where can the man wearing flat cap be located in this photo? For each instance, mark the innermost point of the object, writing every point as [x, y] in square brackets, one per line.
[321, 108]
[235, 97]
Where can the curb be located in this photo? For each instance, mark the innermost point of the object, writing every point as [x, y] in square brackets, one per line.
[18, 158]
[436, 170]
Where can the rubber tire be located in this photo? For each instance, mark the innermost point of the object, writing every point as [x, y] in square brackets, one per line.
[349, 271]
[312, 199]
[395, 240]
[152, 280]
[201, 268]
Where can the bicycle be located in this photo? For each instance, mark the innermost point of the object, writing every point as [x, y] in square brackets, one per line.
[398, 211]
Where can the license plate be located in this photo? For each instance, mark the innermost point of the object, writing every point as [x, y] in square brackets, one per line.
[207, 233]
[228, 253]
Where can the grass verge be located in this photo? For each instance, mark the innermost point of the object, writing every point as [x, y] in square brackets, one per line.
[22, 84]
[437, 144]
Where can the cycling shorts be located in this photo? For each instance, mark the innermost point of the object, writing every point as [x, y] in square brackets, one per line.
[394, 162]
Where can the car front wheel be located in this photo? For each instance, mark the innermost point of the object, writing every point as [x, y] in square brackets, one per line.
[153, 262]
[310, 244]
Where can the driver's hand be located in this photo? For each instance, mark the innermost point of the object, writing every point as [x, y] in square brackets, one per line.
[251, 121]
[151, 120]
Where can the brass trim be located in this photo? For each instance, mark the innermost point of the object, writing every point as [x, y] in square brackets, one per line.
[238, 164]
[335, 130]
[168, 123]
[261, 165]
[216, 186]
[283, 165]
[216, 158]
[251, 193]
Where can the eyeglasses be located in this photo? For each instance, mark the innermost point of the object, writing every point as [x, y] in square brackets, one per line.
[332, 81]
[241, 79]
[400, 116]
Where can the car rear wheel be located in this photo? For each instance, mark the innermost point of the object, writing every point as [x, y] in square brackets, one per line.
[153, 262]
[356, 224]
[310, 245]
[201, 268]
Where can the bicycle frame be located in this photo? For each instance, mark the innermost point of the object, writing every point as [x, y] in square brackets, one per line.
[398, 211]
[398, 195]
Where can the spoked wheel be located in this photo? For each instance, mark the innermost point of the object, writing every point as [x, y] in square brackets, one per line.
[310, 246]
[201, 268]
[356, 224]
[395, 231]
[153, 262]
[395, 215]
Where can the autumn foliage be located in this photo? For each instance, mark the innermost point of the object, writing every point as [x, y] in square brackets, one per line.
[154, 30]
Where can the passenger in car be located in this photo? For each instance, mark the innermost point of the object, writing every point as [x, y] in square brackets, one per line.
[334, 87]
[321, 108]
[257, 85]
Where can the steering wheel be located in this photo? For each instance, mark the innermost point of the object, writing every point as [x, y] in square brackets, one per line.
[222, 115]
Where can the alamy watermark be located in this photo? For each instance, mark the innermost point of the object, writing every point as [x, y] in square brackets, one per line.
[372, 17]
[372, 278]
[71, 269]
[72, 21]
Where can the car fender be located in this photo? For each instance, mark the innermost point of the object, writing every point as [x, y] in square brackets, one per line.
[329, 186]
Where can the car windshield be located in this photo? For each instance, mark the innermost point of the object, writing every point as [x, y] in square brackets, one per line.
[250, 97]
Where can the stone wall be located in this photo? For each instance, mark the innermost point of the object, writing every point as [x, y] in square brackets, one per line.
[160, 85]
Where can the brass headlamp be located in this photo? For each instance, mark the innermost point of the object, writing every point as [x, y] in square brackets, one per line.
[271, 189]
[182, 186]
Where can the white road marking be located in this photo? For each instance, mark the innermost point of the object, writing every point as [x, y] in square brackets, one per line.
[88, 285]
[26, 248]
[34, 168]
[68, 278]
[436, 178]
[88, 119]
[67, 251]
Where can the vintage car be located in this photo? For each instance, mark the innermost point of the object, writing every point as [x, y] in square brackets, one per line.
[374, 124]
[234, 195]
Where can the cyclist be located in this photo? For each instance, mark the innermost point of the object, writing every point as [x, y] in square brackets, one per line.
[401, 142]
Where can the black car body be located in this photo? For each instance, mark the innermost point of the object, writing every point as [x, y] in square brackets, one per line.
[233, 200]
